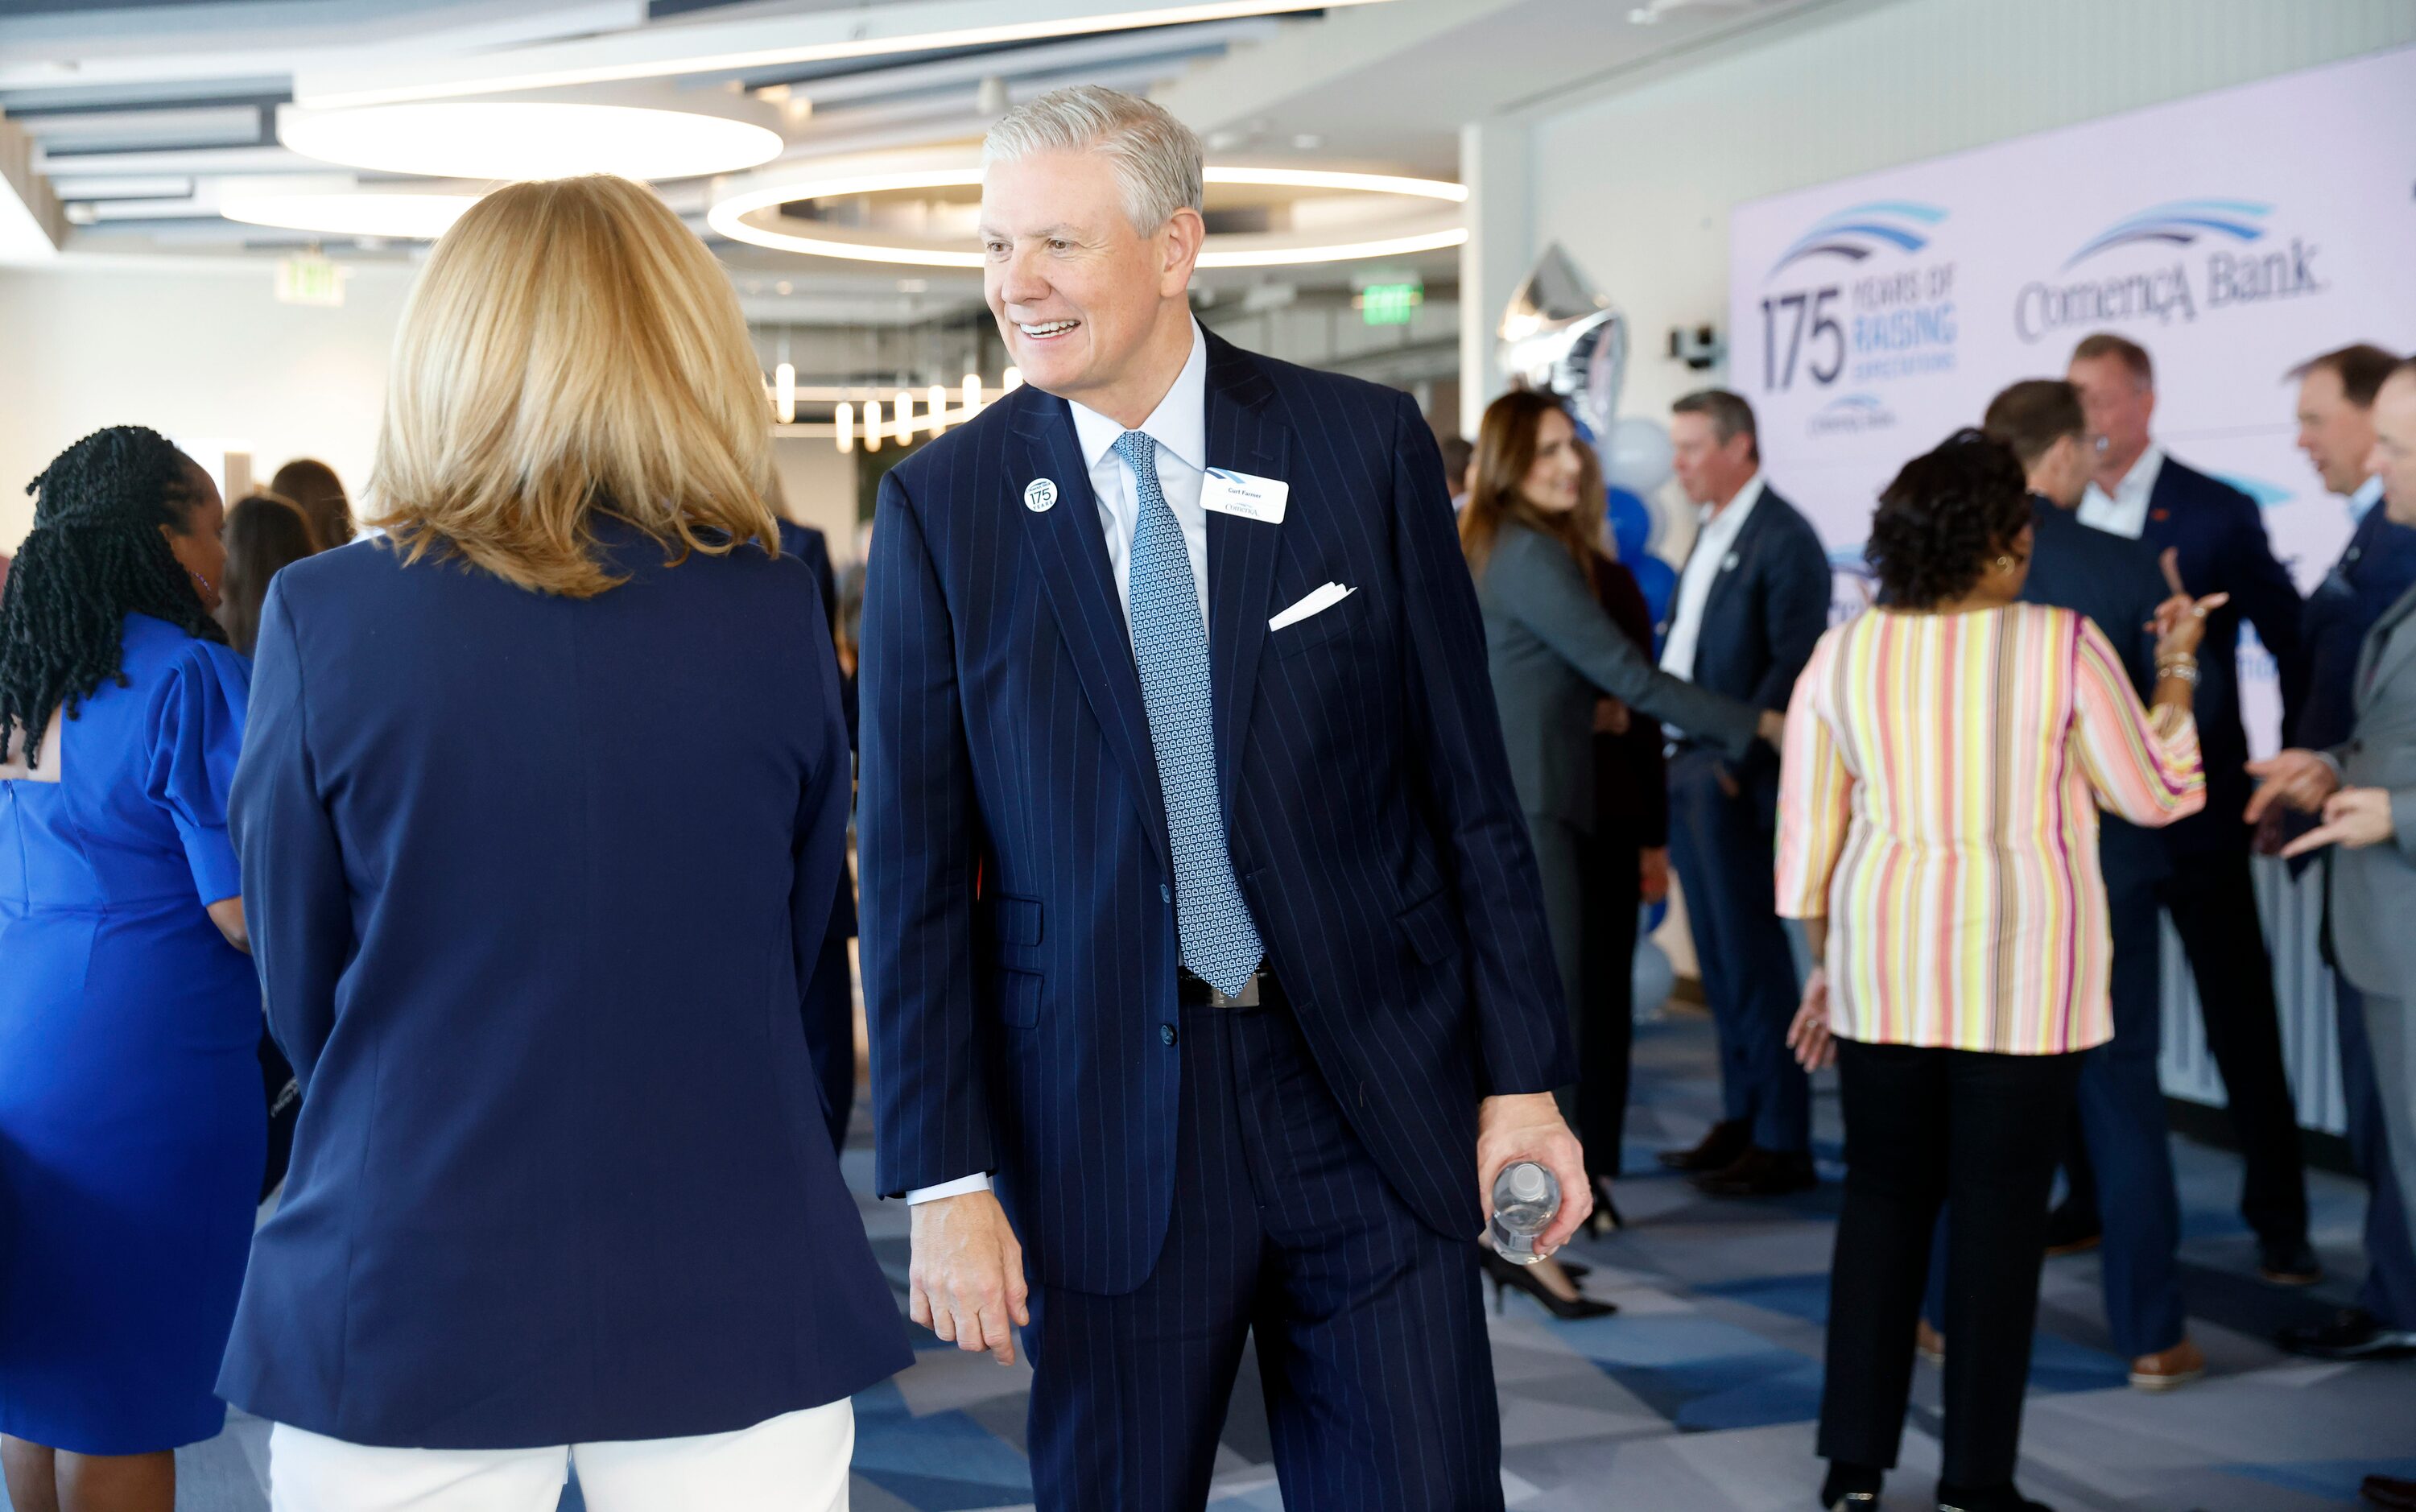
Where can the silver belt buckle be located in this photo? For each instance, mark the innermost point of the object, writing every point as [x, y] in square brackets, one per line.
[1246, 998]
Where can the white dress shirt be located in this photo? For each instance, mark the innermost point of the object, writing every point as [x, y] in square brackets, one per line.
[1712, 541]
[2126, 510]
[1179, 425]
[2368, 495]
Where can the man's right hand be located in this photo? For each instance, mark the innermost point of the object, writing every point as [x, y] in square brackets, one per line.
[965, 1281]
[2298, 778]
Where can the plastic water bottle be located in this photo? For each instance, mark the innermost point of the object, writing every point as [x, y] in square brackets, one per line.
[1526, 1198]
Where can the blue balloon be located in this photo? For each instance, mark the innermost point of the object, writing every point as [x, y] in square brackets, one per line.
[1631, 524]
[1659, 581]
[1654, 981]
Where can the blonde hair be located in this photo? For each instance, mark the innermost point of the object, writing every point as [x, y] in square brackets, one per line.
[570, 349]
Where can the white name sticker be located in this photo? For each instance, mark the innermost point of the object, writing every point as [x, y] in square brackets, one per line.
[1227, 492]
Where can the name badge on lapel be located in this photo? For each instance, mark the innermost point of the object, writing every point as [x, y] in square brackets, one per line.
[1227, 492]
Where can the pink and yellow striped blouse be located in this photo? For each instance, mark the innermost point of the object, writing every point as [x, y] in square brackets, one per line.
[1938, 806]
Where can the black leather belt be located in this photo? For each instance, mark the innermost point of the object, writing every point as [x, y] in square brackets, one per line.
[1193, 992]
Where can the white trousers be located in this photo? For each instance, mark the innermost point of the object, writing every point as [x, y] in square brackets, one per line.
[796, 1462]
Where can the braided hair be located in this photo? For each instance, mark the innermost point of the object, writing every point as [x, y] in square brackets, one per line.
[96, 554]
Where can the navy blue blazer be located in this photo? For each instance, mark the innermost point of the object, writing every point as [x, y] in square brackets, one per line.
[2221, 538]
[533, 885]
[2375, 567]
[2115, 582]
[1020, 951]
[1768, 607]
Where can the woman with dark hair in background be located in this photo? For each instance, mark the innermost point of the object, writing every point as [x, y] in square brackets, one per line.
[130, 1125]
[1529, 532]
[264, 533]
[312, 487]
[1946, 757]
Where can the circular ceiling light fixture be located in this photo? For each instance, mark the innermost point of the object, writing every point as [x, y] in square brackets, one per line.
[402, 217]
[527, 139]
[753, 211]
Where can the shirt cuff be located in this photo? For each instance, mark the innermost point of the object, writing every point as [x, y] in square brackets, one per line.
[978, 1182]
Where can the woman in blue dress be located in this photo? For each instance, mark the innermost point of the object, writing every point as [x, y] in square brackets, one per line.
[131, 1114]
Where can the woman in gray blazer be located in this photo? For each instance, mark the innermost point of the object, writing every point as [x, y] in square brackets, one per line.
[1529, 534]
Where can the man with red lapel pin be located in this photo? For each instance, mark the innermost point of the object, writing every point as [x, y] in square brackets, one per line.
[2218, 536]
[1203, 947]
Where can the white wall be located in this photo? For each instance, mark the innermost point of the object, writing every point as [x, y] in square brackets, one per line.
[193, 352]
[203, 352]
[1637, 184]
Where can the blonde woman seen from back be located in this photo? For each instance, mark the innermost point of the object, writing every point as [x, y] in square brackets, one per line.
[541, 815]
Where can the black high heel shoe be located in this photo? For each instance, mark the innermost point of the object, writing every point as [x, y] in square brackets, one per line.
[1508, 1273]
[1851, 1488]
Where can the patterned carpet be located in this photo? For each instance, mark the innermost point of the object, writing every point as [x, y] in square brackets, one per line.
[1700, 1395]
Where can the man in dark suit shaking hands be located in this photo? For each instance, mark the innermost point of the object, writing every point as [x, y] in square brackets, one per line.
[1203, 947]
[2219, 540]
[1751, 603]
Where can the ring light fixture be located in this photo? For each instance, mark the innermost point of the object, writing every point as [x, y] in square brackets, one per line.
[737, 215]
[366, 213]
[527, 139]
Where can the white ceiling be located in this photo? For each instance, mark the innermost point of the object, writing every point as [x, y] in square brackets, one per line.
[127, 120]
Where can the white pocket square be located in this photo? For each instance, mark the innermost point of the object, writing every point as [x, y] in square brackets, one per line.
[1318, 602]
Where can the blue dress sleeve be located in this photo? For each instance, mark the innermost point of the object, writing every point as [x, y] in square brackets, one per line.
[196, 735]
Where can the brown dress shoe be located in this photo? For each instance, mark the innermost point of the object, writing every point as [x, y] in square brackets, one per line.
[1760, 1172]
[1719, 1148]
[2391, 1491]
[2166, 1369]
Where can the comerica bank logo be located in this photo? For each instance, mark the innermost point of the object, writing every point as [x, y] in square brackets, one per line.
[2181, 223]
[1857, 230]
[2268, 495]
[1849, 415]
[2204, 255]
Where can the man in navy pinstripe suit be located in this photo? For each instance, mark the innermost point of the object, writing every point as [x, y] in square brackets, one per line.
[1203, 943]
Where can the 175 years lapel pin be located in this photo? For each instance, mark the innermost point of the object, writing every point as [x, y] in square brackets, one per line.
[1039, 495]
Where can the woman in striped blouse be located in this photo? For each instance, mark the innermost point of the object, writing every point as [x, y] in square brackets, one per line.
[1946, 756]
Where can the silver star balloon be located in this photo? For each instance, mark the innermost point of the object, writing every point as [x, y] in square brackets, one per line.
[1560, 337]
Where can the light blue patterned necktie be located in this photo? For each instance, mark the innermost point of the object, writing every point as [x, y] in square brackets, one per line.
[1220, 942]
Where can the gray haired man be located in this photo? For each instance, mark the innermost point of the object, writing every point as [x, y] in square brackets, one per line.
[1203, 947]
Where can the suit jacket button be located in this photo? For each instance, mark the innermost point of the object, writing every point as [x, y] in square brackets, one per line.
[1164, 893]
[1165, 1033]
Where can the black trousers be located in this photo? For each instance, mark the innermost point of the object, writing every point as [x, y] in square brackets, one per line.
[1979, 1133]
[1606, 1024]
[2213, 908]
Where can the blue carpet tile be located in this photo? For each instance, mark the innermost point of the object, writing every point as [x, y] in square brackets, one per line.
[1700, 1395]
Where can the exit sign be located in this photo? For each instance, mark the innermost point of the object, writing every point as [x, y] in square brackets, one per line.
[310, 280]
[1390, 304]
